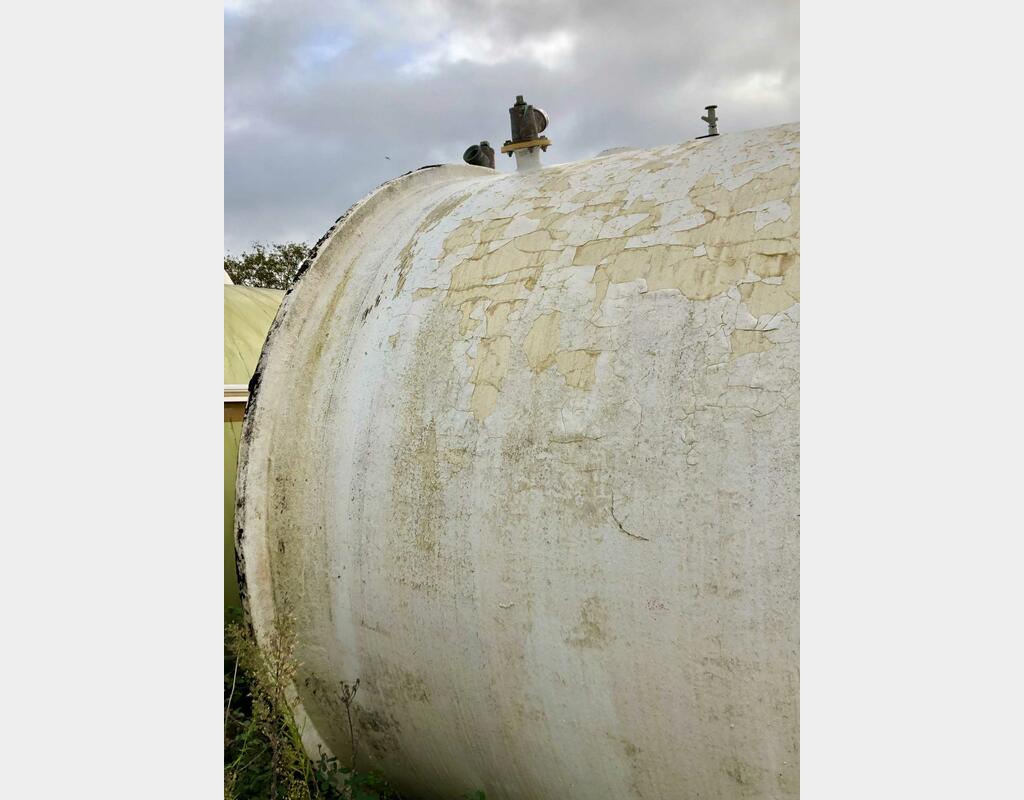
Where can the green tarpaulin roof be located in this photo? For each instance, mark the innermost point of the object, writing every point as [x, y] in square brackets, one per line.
[248, 314]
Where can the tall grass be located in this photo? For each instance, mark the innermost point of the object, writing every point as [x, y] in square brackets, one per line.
[263, 754]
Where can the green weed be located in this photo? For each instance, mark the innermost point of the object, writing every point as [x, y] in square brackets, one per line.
[263, 754]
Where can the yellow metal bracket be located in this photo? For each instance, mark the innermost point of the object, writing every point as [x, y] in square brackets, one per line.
[543, 143]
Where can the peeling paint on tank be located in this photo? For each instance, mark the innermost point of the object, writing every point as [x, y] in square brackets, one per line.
[497, 315]
[541, 343]
[744, 342]
[590, 630]
[577, 367]
[489, 368]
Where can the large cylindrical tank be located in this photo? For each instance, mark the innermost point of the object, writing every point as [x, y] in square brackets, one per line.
[523, 460]
[248, 313]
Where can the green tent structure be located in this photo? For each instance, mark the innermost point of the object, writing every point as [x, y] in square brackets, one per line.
[248, 314]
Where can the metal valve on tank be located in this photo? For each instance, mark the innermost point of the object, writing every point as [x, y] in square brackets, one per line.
[528, 123]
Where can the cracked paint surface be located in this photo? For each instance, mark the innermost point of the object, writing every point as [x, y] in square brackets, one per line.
[529, 442]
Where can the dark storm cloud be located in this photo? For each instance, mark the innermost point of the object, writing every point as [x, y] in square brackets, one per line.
[316, 97]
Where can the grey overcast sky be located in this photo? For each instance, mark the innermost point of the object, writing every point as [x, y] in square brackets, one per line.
[323, 101]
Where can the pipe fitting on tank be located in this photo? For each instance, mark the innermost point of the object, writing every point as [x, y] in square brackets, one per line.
[480, 155]
[528, 123]
[712, 120]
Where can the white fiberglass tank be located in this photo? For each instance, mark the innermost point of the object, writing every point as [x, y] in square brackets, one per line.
[522, 457]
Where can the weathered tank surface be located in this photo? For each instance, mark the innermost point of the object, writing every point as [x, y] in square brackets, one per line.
[248, 313]
[523, 459]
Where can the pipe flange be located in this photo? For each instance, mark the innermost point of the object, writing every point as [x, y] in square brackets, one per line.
[509, 147]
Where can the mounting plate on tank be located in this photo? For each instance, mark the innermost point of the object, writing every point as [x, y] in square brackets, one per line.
[543, 143]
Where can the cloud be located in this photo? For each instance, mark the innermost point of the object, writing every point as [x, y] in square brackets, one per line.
[551, 51]
[323, 102]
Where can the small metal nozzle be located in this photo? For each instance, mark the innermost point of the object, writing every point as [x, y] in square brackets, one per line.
[480, 155]
[712, 120]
